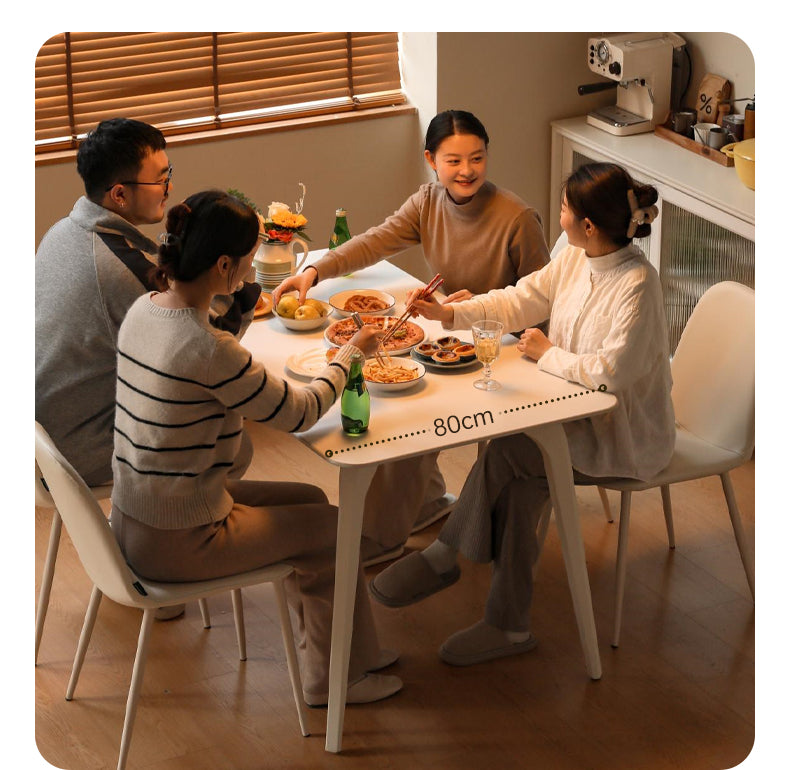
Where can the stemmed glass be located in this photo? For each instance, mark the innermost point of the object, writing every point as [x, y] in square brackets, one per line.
[488, 337]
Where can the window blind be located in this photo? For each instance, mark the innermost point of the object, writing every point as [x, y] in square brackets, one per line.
[183, 82]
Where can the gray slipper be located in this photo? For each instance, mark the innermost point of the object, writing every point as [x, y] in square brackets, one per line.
[410, 580]
[479, 643]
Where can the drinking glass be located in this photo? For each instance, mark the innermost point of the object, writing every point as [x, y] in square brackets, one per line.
[488, 337]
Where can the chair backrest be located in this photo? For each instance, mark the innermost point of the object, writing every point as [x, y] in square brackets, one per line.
[559, 244]
[86, 524]
[713, 369]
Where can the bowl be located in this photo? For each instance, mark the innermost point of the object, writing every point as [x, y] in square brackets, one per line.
[743, 152]
[338, 301]
[391, 387]
[305, 324]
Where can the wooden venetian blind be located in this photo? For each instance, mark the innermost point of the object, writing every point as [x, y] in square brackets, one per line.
[197, 81]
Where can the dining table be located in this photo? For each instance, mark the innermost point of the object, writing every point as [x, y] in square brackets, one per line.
[442, 410]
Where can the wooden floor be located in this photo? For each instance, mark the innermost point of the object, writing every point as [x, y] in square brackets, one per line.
[678, 693]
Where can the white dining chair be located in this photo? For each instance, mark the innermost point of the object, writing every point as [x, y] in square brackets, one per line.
[713, 397]
[103, 561]
[44, 500]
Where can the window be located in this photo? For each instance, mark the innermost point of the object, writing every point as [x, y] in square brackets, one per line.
[183, 82]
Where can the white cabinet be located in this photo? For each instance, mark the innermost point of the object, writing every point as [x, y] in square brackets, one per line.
[705, 231]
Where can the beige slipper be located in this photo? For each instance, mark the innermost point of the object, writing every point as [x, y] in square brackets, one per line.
[479, 643]
[410, 580]
[370, 688]
[372, 553]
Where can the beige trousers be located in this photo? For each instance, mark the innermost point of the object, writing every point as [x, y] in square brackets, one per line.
[270, 522]
[400, 494]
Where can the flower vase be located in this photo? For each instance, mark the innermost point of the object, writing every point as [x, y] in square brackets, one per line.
[274, 261]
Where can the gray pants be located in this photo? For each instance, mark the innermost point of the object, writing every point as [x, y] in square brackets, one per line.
[495, 520]
[270, 522]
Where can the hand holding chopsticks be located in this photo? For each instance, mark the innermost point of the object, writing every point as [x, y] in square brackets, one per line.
[429, 289]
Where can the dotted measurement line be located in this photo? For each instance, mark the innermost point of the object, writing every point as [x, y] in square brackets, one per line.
[354, 447]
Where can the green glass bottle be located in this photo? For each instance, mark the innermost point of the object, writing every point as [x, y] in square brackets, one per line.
[355, 400]
[340, 234]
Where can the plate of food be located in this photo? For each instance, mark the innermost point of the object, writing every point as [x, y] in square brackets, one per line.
[398, 375]
[312, 314]
[263, 306]
[308, 363]
[407, 337]
[445, 353]
[370, 301]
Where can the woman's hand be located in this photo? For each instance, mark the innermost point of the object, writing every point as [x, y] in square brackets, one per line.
[534, 343]
[301, 282]
[458, 296]
[430, 307]
[367, 339]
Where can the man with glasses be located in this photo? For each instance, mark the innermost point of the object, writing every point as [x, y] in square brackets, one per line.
[90, 268]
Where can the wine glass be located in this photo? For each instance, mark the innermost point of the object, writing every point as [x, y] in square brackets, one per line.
[488, 337]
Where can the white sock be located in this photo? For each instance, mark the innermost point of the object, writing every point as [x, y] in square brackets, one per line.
[441, 557]
[517, 637]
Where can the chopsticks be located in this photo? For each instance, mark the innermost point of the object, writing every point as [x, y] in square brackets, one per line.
[429, 289]
[355, 317]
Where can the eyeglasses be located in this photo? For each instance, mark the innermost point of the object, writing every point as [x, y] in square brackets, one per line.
[164, 182]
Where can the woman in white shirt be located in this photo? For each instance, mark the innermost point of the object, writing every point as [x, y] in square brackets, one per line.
[607, 329]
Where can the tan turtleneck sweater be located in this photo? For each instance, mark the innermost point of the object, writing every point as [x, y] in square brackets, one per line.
[488, 243]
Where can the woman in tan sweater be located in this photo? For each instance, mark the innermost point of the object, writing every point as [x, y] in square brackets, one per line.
[183, 390]
[479, 237]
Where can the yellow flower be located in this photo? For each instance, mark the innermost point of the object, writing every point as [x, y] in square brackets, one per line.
[289, 220]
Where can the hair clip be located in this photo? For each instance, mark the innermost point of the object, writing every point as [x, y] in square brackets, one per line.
[639, 216]
[168, 239]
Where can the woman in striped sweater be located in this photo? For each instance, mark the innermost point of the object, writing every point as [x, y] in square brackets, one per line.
[184, 389]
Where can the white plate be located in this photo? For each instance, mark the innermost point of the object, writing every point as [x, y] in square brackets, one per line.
[391, 387]
[338, 301]
[306, 324]
[429, 362]
[309, 363]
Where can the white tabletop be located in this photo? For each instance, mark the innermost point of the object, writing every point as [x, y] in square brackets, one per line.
[442, 411]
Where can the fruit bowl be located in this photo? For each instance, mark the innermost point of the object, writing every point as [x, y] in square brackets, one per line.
[296, 323]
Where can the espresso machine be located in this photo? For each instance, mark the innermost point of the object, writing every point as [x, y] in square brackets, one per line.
[640, 64]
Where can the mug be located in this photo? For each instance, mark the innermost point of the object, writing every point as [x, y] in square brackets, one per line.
[718, 137]
[682, 121]
[702, 132]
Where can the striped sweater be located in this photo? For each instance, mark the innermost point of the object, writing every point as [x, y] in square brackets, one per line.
[183, 391]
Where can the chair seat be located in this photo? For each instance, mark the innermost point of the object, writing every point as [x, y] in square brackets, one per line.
[168, 594]
[693, 458]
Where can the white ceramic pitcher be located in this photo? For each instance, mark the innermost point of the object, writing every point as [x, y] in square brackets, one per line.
[274, 262]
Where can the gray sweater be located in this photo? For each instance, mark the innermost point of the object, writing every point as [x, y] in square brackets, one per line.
[90, 269]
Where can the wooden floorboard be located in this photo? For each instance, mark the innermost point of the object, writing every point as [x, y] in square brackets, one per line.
[677, 693]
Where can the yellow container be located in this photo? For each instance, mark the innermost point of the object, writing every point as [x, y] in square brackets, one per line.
[743, 152]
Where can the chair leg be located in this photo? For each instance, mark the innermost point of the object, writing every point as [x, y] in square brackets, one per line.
[666, 502]
[238, 617]
[47, 576]
[204, 613]
[85, 637]
[622, 556]
[737, 528]
[290, 655]
[134, 687]
[607, 511]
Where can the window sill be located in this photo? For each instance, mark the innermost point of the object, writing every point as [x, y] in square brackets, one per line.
[293, 124]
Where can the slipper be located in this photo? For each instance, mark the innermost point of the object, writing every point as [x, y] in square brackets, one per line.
[446, 502]
[170, 613]
[481, 642]
[410, 580]
[368, 689]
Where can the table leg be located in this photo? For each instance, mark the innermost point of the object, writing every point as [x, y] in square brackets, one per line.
[554, 446]
[354, 483]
